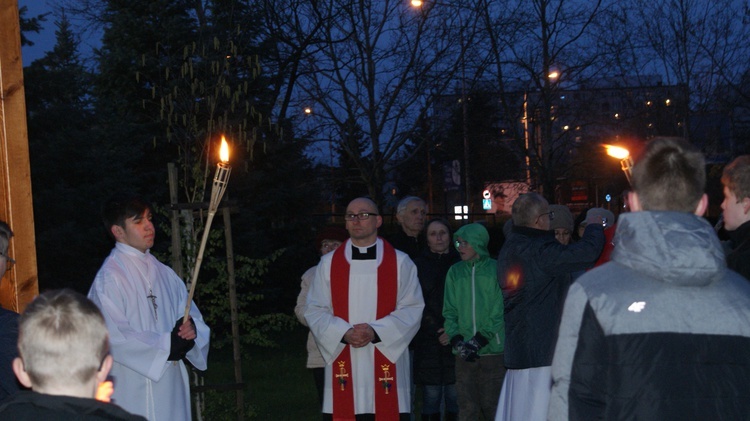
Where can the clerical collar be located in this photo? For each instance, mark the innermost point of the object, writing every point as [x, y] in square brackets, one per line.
[364, 253]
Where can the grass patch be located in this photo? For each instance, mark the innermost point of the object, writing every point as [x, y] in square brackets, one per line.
[277, 384]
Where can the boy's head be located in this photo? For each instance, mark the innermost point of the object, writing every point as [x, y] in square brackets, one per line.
[471, 241]
[670, 176]
[736, 204]
[127, 219]
[63, 345]
[121, 207]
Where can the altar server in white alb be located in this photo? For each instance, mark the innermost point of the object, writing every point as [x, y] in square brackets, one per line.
[143, 302]
[364, 307]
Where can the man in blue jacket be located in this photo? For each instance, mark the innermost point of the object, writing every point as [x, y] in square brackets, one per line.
[534, 272]
[662, 331]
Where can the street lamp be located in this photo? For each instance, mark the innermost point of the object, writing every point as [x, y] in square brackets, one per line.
[464, 105]
[625, 159]
[543, 119]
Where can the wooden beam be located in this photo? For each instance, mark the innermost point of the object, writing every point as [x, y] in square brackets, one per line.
[19, 286]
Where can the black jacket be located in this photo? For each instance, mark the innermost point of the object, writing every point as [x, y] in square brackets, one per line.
[534, 273]
[738, 250]
[413, 246]
[8, 351]
[32, 406]
[433, 363]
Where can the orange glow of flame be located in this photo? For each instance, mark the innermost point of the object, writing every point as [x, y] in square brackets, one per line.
[617, 152]
[513, 278]
[224, 150]
[104, 391]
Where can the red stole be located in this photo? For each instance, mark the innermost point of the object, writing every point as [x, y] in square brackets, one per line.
[386, 392]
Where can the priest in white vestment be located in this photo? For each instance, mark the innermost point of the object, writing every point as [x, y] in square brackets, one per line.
[142, 301]
[364, 331]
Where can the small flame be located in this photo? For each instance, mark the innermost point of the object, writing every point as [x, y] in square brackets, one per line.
[104, 391]
[617, 152]
[224, 150]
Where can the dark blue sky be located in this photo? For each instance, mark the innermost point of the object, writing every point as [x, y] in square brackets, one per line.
[45, 40]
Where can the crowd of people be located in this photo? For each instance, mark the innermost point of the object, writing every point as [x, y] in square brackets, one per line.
[645, 316]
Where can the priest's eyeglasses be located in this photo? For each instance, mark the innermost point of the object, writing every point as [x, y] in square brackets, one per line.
[361, 216]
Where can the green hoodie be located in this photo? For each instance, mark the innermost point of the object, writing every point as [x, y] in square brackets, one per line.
[473, 300]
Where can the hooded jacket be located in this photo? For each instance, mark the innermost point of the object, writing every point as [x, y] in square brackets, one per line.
[662, 332]
[473, 301]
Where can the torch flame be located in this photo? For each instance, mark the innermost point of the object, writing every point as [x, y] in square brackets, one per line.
[617, 152]
[224, 150]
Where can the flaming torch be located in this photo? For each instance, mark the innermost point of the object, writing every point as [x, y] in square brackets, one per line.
[223, 169]
[625, 159]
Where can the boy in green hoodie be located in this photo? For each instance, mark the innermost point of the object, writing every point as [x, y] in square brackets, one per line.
[473, 311]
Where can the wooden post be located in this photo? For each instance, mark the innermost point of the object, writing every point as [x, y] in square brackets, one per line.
[235, 317]
[20, 285]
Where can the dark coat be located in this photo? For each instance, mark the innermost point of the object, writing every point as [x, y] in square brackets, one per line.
[738, 250]
[433, 363]
[32, 406]
[8, 351]
[533, 270]
[413, 246]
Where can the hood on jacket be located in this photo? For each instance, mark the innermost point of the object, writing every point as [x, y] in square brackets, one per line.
[676, 247]
[476, 235]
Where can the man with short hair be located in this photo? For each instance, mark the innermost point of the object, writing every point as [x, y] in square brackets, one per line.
[661, 331]
[736, 214]
[64, 357]
[410, 214]
[534, 272]
[364, 307]
[143, 302]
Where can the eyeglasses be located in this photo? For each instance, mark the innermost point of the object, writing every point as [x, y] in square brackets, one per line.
[550, 213]
[8, 262]
[328, 244]
[361, 216]
[461, 243]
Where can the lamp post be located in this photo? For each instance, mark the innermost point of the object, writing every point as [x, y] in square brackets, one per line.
[464, 105]
[544, 141]
[626, 161]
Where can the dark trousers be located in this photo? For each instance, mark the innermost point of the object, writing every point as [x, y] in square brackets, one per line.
[478, 385]
[319, 376]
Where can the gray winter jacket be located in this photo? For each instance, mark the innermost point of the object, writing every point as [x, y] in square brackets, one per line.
[662, 332]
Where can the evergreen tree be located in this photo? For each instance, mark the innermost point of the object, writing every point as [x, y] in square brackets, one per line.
[67, 164]
[143, 41]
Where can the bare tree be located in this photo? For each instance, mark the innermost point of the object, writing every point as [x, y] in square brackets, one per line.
[369, 67]
[692, 43]
[538, 48]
